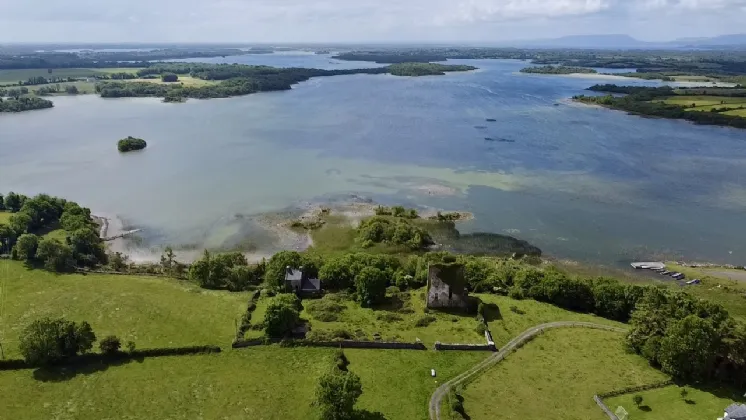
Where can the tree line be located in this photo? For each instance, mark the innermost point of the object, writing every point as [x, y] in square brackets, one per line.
[22, 237]
[557, 70]
[425, 69]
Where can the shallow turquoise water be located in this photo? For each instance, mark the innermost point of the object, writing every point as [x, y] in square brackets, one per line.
[579, 182]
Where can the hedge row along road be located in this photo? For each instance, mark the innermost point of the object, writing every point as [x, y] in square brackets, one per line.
[528, 335]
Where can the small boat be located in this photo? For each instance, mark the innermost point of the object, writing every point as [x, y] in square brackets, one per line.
[665, 272]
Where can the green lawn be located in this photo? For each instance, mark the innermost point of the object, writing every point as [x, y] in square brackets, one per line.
[257, 383]
[14, 76]
[667, 403]
[184, 80]
[555, 377]
[397, 320]
[5, 217]
[152, 312]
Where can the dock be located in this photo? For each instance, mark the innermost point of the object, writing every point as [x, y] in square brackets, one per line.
[660, 268]
[648, 265]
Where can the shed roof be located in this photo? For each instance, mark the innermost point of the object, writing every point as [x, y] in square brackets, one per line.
[736, 411]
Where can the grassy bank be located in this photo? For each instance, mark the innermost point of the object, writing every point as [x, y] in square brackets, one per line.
[5, 217]
[258, 383]
[555, 377]
[152, 312]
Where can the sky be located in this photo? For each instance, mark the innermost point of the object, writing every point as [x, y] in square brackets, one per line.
[361, 20]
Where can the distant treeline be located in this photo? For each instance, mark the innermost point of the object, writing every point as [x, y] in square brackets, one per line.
[23, 104]
[98, 59]
[557, 70]
[639, 101]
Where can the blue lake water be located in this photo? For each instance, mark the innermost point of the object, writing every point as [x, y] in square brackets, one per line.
[580, 182]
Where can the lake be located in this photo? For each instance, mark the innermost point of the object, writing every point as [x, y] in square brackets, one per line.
[580, 182]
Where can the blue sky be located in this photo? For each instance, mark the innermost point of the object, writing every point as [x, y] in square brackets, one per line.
[361, 20]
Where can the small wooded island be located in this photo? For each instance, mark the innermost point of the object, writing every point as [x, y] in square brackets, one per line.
[131, 143]
[558, 70]
[705, 106]
[23, 104]
[425, 69]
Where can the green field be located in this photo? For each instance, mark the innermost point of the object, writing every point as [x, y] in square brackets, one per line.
[719, 286]
[257, 383]
[4, 217]
[701, 101]
[737, 112]
[184, 80]
[555, 377]
[152, 312]
[667, 403]
[15, 76]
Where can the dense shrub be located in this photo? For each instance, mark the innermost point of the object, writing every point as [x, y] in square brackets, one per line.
[26, 246]
[425, 320]
[48, 341]
[393, 232]
[282, 315]
[110, 345]
[370, 286]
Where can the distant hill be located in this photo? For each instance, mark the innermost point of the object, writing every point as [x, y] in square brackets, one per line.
[628, 42]
[588, 41]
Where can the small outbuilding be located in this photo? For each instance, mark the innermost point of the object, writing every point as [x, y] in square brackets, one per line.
[298, 281]
[735, 412]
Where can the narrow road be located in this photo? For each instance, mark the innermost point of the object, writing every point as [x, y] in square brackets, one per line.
[441, 391]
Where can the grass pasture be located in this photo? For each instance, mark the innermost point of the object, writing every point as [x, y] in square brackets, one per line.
[265, 382]
[152, 312]
[737, 112]
[555, 377]
[5, 217]
[703, 101]
[667, 403]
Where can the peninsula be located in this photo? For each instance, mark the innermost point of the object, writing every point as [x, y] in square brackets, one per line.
[705, 106]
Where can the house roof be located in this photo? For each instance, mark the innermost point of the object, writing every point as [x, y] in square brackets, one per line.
[310, 284]
[736, 411]
[293, 275]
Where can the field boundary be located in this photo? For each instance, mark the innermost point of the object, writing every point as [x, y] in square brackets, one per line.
[88, 358]
[599, 398]
[514, 344]
[349, 344]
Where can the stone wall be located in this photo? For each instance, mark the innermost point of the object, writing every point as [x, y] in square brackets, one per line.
[347, 344]
[465, 347]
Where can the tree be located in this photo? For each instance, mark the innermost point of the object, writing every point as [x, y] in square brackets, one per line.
[689, 350]
[87, 247]
[7, 238]
[337, 393]
[48, 341]
[26, 246]
[2, 200]
[282, 315]
[637, 399]
[13, 201]
[275, 273]
[55, 255]
[169, 78]
[336, 274]
[20, 222]
[168, 259]
[370, 285]
[110, 345]
[71, 89]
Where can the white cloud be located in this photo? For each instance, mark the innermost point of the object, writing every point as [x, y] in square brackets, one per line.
[358, 20]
